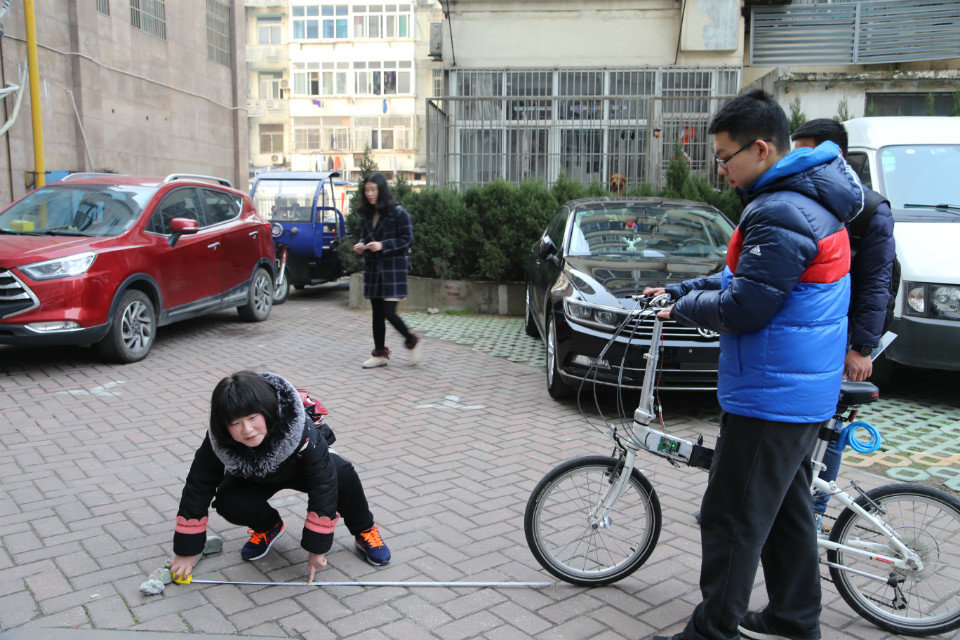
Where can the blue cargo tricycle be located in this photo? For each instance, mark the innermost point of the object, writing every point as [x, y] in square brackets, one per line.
[307, 225]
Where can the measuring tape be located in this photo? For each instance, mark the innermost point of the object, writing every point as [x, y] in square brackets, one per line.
[364, 583]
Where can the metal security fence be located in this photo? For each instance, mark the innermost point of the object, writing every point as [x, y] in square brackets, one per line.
[868, 32]
[619, 127]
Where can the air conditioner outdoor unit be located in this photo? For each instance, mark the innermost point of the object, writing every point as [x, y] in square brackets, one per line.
[284, 83]
[276, 158]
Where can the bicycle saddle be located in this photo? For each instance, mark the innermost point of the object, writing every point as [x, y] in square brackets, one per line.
[856, 393]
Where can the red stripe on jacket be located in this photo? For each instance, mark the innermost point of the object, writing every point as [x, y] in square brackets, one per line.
[733, 249]
[832, 261]
[320, 524]
[191, 526]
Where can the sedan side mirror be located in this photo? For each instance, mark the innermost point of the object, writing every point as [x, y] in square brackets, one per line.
[547, 248]
[181, 227]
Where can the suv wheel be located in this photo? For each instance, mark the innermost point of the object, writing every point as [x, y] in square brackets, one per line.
[132, 329]
[259, 298]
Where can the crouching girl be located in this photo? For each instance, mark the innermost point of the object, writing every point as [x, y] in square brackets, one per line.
[260, 441]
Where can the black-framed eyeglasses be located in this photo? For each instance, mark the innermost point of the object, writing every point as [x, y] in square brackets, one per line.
[722, 162]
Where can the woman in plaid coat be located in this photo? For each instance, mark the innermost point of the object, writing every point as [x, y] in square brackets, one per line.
[385, 243]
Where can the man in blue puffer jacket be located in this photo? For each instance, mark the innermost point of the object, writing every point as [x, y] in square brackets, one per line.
[781, 308]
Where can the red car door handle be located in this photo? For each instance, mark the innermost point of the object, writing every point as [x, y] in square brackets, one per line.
[213, 246]
[253, 234]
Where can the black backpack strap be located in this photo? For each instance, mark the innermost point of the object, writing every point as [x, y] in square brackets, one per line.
[859, 225]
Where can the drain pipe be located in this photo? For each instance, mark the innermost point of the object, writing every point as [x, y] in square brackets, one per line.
[29, 18]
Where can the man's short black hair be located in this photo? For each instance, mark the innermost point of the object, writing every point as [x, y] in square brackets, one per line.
[821, 130]
[751, 116]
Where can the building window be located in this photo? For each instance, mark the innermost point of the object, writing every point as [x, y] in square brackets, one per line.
[382, 21]
[306, 78]
[306, 22]
[316, 21]
[321, 134]
[268, 30]
[103, 6]
[269, 83]
[529, 83]
[149, 16]
[271, 138]
[383, 78]
[334, 78]
[218, 32]
[437, 83]
[909, 104]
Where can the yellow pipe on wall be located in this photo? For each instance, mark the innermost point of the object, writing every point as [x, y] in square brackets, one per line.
[33, 67]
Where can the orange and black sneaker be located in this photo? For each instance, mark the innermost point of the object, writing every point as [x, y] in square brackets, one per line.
[260, 543]
[370, 545]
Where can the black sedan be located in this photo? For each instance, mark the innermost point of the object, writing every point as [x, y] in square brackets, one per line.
[595, 254]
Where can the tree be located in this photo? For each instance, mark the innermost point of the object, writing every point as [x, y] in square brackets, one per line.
[955, 110]
[843, 110]
[928, 107]
[797, 117]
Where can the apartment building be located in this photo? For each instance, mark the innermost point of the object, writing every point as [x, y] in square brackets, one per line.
[598, 91]
[146, 87]
[328, 79]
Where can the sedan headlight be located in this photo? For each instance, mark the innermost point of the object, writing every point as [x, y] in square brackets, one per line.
[61, 267]
[932, 300]
[590, 314]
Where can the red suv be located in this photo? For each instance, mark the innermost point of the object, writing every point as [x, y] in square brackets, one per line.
[104, 259]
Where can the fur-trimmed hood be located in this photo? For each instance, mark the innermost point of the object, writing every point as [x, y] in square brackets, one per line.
[282, 439]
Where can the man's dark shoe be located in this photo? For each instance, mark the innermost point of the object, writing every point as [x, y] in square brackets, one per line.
[696, 516]
[676, 636]
[754, 625]
[260, 542]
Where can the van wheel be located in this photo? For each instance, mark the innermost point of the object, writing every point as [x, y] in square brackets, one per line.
[259, 298]
[282, 291]
[133, 329]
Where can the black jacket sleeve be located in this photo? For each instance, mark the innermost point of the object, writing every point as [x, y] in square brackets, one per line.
[870, 273]
[321, 478]
[206, 474]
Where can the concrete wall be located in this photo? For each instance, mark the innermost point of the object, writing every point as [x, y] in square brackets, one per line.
[147, 106]
[572, 33]
[495, 298]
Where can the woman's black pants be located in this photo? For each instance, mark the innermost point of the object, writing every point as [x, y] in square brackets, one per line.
[244, 502]
[384, 310]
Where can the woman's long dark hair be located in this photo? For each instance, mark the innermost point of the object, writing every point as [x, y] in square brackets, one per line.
[385, 199]
[239, 395]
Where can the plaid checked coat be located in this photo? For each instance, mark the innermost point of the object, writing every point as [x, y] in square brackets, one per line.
[385, 272]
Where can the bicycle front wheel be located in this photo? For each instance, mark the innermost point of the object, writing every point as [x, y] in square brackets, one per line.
[927, 521]
[563, 540]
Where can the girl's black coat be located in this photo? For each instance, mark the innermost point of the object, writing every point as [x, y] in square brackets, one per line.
[293, 452]
[385, 271]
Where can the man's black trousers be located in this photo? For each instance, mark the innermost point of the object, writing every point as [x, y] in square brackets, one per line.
[757, 509]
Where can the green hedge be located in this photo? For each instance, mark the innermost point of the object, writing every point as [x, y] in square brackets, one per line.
[485, 233]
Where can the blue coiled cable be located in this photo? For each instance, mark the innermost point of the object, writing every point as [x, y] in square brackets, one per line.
[848, 440]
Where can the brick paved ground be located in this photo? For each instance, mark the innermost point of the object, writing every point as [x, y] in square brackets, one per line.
[94, 456]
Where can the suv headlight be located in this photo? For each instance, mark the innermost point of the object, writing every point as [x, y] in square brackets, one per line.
[592, 314]
[932, 300]
[59, 268]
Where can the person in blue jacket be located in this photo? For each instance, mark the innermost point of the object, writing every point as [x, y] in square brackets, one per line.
[872, 283]
[780, 306]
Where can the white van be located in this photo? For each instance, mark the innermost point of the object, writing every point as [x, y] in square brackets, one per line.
[915, 163]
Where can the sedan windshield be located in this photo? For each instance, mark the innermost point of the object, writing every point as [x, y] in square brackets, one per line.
[659, 231]
[80, 210]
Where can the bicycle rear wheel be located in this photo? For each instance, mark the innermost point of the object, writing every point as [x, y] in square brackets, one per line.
[928, 522]
[562, 540]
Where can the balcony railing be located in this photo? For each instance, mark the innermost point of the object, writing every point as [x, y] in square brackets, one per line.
[257, 108]
[276, 53]
[866, 32]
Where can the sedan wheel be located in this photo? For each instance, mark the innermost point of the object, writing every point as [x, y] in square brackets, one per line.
[557, 388]
[259, 299]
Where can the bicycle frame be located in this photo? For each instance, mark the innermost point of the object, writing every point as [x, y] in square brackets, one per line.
[632, 443]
